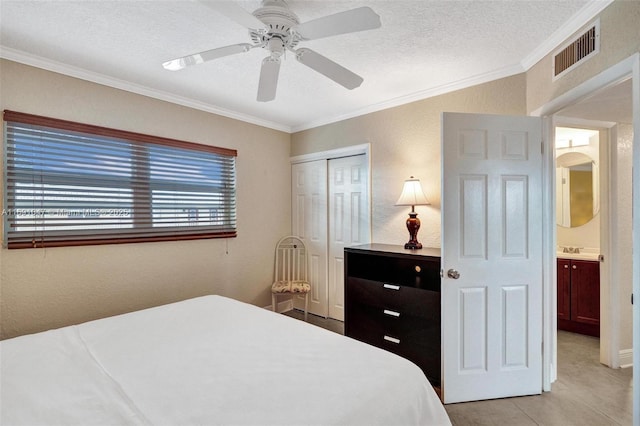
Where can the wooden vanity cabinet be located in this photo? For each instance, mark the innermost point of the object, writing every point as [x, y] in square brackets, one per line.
[579, 296]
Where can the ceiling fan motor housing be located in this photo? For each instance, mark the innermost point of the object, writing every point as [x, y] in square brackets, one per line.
[279, 20]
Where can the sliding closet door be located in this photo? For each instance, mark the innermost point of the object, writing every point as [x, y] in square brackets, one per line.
[330, 210]
[349, 219]
[309, 222]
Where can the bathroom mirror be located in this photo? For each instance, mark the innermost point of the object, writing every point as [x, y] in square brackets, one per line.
[577, 189]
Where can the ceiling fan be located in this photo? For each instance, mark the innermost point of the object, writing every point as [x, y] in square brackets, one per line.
[276, 28]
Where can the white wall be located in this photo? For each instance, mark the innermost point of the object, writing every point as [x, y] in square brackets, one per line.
[53, 287]
[586, 236]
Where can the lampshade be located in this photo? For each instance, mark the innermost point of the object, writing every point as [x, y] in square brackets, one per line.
[412, 194]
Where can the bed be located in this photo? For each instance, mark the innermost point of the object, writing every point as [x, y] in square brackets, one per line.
[205, 361]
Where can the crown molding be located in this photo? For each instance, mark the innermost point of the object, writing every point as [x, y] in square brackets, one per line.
[587, 13]
[94, 77]
[577, 21]
[83, 74]
[417, 96]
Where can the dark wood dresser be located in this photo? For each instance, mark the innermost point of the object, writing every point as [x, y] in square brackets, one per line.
[392, 301]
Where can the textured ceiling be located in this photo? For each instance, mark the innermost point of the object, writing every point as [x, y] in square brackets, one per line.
[423, 48]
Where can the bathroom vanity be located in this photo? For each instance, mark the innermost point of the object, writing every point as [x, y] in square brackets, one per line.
[578, 232]
[579, 296]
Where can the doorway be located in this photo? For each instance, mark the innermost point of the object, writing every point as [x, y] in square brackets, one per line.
[606, 118]
[580, 209]
[628, 69]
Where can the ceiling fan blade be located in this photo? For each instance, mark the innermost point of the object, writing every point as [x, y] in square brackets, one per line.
[328, 68]
[207, 55]
[360, 19]
[268, 79]
[236, 13]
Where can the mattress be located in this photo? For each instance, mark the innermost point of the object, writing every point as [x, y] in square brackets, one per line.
[208, 361]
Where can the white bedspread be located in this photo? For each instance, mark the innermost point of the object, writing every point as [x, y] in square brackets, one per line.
[208, 361]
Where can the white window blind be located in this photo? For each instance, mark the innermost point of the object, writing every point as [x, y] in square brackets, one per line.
[74, 184]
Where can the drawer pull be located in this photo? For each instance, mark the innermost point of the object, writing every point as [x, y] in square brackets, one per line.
[391, 339]
[391, 313]
[391, 286]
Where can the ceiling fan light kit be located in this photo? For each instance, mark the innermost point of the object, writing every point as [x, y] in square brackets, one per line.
[276, 28]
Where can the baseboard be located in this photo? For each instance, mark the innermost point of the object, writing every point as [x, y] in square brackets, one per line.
[579, 327]
[284, 306]
[626, 358]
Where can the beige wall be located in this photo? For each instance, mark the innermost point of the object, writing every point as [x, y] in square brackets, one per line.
[619, 39]
[405, 141]
[40, 289]
[45, 288]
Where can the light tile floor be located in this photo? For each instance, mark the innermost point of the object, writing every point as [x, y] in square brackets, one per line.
[586, 392]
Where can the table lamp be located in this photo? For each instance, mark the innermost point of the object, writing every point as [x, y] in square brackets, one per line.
[412, 195]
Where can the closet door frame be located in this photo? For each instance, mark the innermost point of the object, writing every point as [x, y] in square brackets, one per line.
[362, 149]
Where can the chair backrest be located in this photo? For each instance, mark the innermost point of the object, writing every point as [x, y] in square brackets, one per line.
[291, 260]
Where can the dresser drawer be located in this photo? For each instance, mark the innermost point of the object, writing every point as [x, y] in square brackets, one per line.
[409, 272]
[410, 337]
[407, 301]
[392, 301]
[372, 324]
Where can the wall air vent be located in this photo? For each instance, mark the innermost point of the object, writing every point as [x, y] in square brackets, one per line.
[577, 51]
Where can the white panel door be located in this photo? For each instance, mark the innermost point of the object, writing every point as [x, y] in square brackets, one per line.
[309, 222]
[348, 220]
[492, 243]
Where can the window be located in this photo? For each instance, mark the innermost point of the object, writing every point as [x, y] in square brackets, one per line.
[75, 184]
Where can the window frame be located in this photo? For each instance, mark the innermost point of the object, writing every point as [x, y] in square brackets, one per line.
[139, 141]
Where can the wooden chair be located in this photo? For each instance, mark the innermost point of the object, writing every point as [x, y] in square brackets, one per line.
[290, 274]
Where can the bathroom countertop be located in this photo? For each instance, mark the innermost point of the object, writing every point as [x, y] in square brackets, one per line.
[578, 256]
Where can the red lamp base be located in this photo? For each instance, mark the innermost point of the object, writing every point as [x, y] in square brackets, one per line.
[413, 224]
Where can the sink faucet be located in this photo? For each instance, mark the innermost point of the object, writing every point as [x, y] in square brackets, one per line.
[574, 250]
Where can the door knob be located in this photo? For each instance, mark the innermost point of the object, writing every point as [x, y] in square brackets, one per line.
[452, 273]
